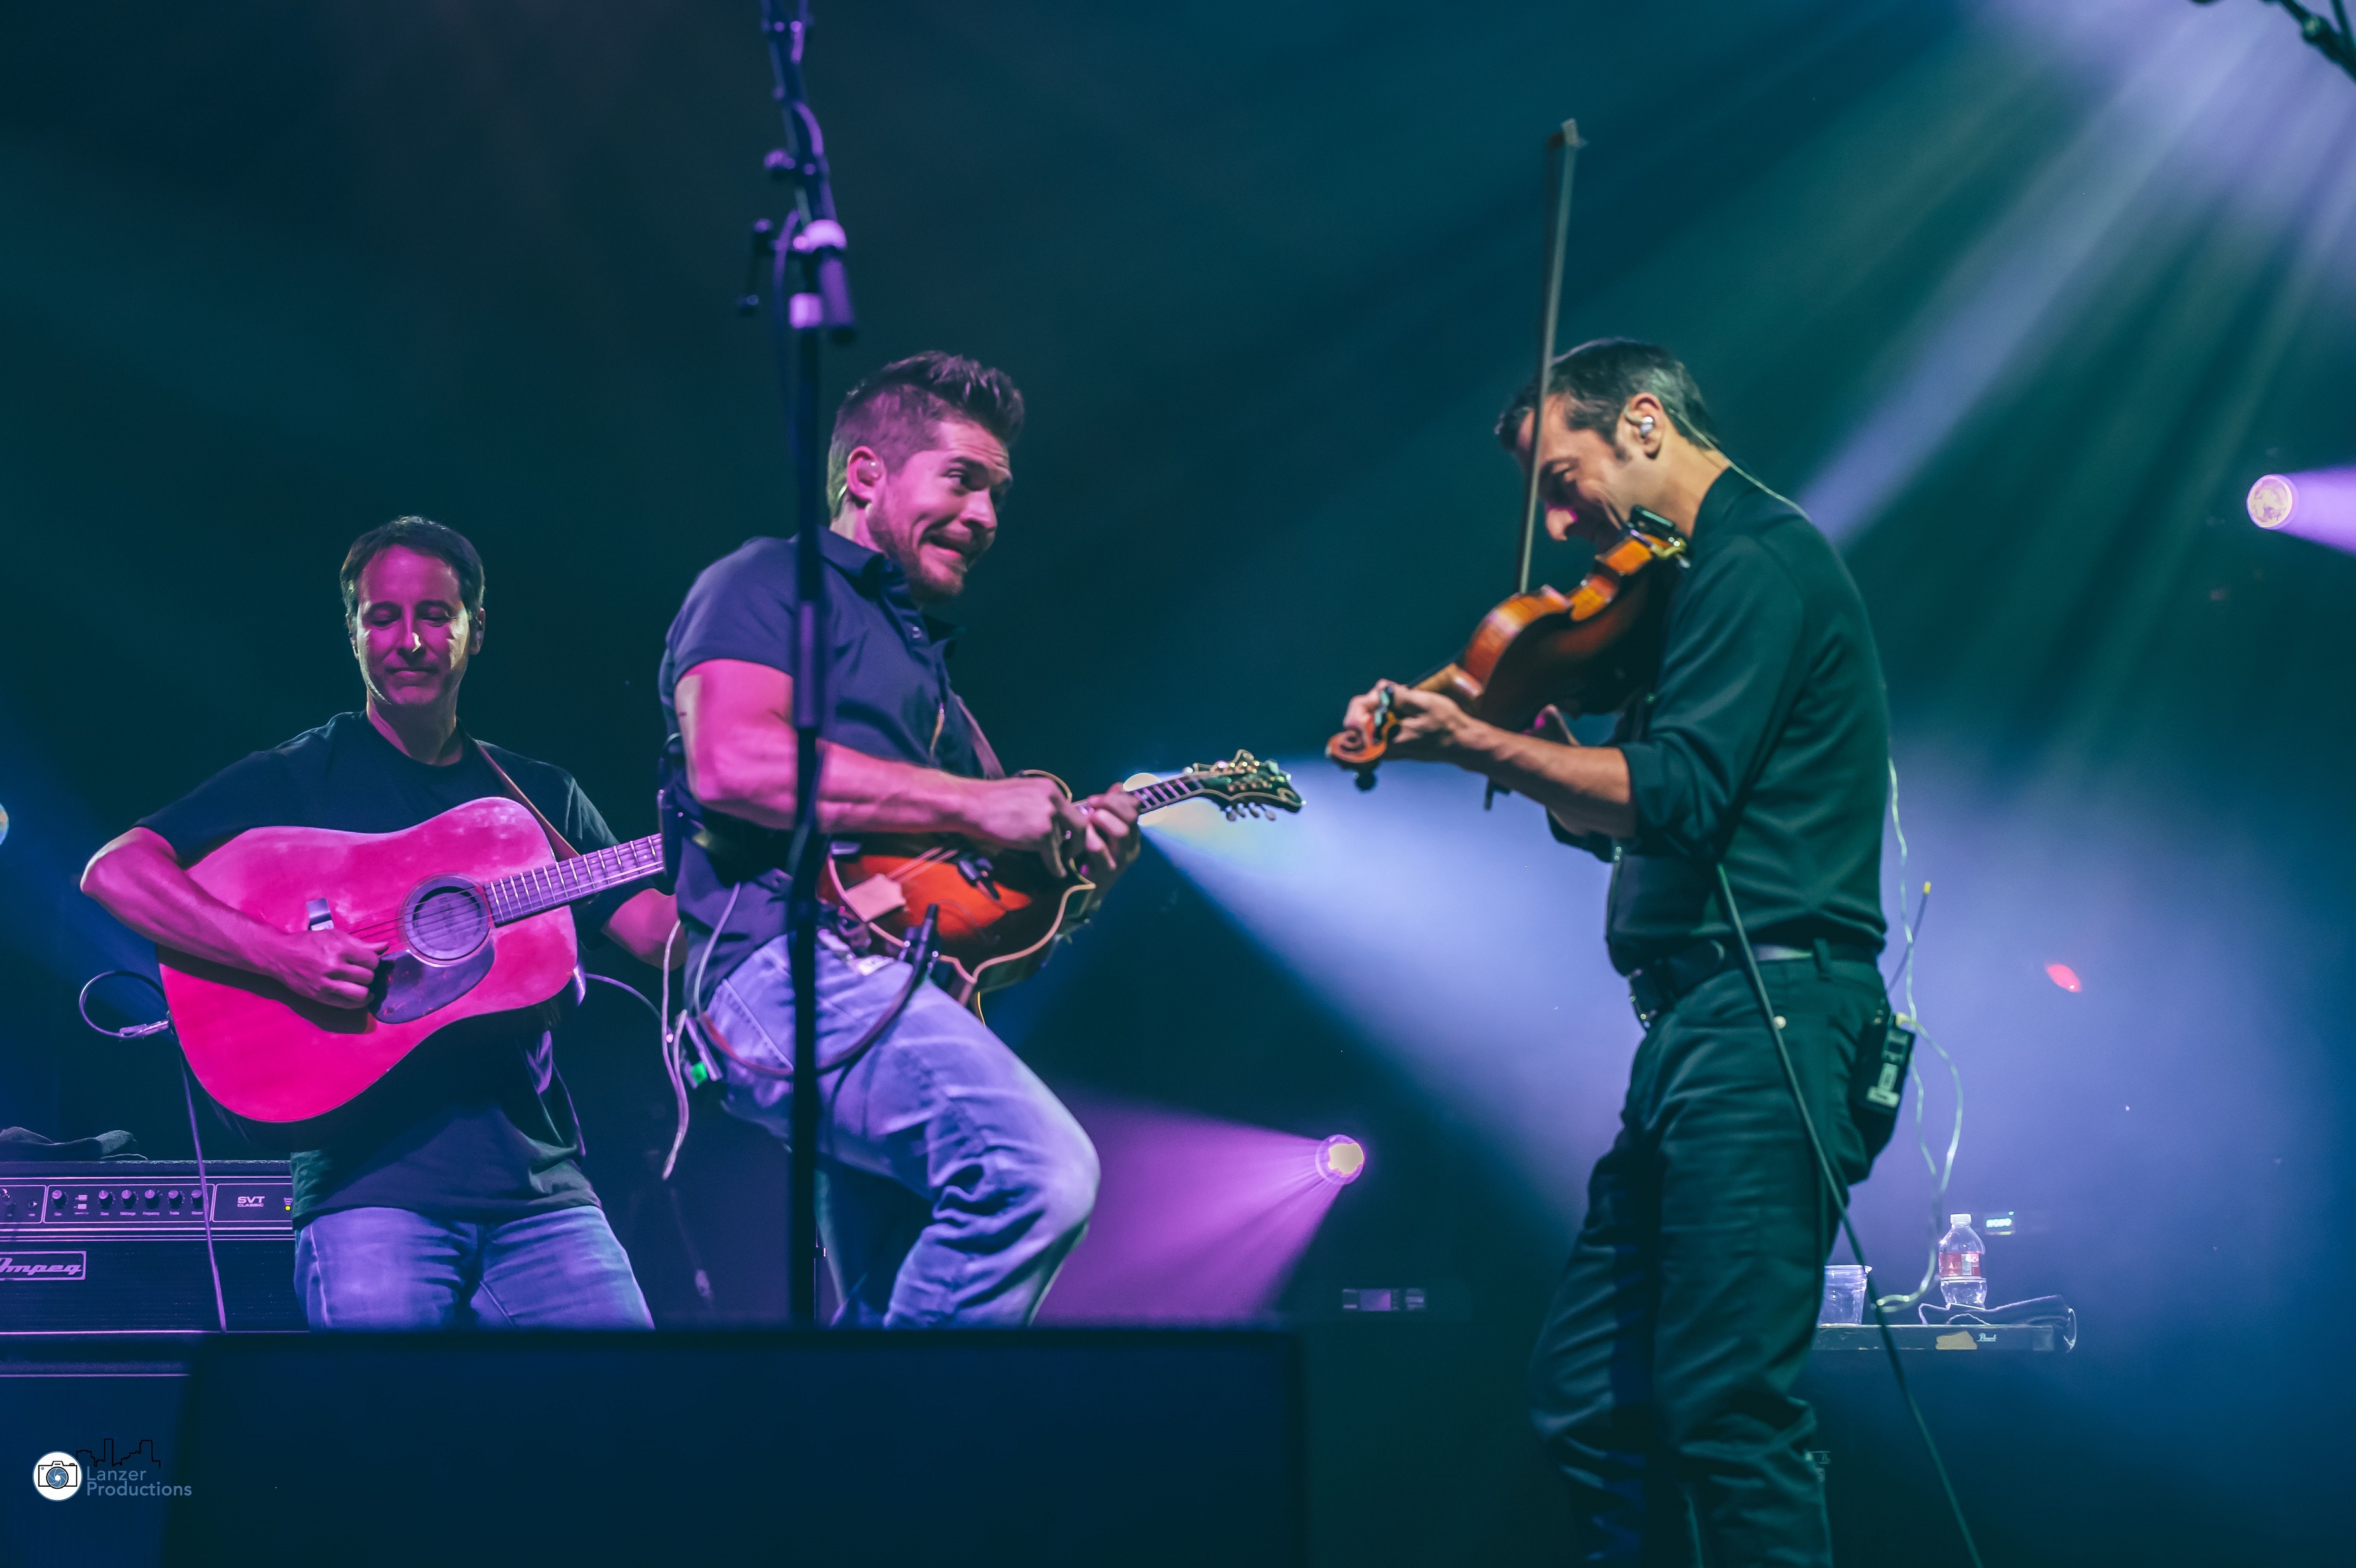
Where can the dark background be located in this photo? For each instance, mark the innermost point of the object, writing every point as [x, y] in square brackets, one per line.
[2018, 304]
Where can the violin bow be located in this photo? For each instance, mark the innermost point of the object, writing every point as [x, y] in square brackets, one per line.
[1549, 314]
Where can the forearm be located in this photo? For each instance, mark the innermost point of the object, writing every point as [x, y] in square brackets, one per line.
[642, 928]
[138, 880]
[736, 728]
[857, 793]
[1584, 788]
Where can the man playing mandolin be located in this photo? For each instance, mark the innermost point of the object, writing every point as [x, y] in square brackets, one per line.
[450, 1195]
[1662, 1380]
[952, 1183]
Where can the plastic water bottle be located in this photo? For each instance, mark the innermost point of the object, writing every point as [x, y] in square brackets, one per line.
[1960, 1279]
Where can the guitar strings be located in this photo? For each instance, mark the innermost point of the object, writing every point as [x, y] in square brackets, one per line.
[515, 888]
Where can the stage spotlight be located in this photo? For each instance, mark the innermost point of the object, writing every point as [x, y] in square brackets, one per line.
[2062, 975]
[1341, 1159]
[2318, 505]
[1196, 1220]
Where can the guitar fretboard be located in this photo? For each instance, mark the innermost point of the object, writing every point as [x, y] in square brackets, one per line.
[1168, 792]
[545, 887]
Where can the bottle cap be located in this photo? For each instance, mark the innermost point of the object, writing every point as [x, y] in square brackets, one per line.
[1959, 1219]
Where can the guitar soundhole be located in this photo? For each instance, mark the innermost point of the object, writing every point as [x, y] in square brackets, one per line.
[447, 919]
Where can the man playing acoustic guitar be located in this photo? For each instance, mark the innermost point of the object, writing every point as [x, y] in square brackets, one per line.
[952, 1184]
[1662, 1377]
[452, 1194]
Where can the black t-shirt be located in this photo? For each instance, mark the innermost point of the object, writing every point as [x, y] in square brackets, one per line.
[888, 696]
[475, 1125]
[1764, 741]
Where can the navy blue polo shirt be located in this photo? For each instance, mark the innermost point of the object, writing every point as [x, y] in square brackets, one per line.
[888, 695]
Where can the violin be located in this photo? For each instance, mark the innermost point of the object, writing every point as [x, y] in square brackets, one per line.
[1587, 651]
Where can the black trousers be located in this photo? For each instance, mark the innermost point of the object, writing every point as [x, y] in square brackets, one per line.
[1662, 1381]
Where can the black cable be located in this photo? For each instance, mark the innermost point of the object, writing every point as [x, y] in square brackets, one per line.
[701, 1276]
[916, 953]
[205, 1193]
[625, 985]
[136, 1031]
[1840, 1206]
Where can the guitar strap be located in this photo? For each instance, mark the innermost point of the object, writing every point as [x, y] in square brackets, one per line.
[550, 1017]
[556, 841]
[991, 766]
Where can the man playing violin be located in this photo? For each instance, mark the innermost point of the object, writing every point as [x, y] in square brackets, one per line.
[1662, 1377]
[952, 1183]
[451, 1195]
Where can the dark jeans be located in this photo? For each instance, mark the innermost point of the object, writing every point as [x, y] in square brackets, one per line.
[1662, 1381]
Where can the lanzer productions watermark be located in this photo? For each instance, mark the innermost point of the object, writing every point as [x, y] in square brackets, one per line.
[61, 1476]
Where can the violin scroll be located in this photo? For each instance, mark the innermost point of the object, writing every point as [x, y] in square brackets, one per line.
[1360, 746]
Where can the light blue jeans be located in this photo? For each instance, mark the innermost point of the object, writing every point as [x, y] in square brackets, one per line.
[951, 1183]
[393, 1268]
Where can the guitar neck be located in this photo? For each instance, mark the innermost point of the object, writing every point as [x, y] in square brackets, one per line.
[546, 888]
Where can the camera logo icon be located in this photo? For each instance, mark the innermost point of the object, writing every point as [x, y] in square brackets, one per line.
[57, 1477]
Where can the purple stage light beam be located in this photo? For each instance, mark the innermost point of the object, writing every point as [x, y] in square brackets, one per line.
[1466, 945]
[2318, 505]
[1197, 1220]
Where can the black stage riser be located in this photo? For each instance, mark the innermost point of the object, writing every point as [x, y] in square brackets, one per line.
[1139, 1449]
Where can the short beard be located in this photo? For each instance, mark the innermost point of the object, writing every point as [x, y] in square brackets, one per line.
[925, 593]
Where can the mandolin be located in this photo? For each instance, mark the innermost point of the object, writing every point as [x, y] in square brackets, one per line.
[1001, 912]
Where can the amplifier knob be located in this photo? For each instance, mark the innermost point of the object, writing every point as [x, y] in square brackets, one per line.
[172, 1198]
[149, 1198]
[105, 1198]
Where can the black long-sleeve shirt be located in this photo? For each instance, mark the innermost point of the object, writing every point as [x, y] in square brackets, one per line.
[1764, 741]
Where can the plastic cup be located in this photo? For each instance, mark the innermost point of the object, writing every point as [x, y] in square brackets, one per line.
[1844, 1294]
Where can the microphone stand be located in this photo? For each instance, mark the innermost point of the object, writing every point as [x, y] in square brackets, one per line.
[810, 243]
[2337, 45]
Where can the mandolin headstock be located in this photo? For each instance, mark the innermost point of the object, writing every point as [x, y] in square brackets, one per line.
[1243, 785]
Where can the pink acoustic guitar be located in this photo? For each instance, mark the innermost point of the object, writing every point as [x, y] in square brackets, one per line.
[467, 904]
